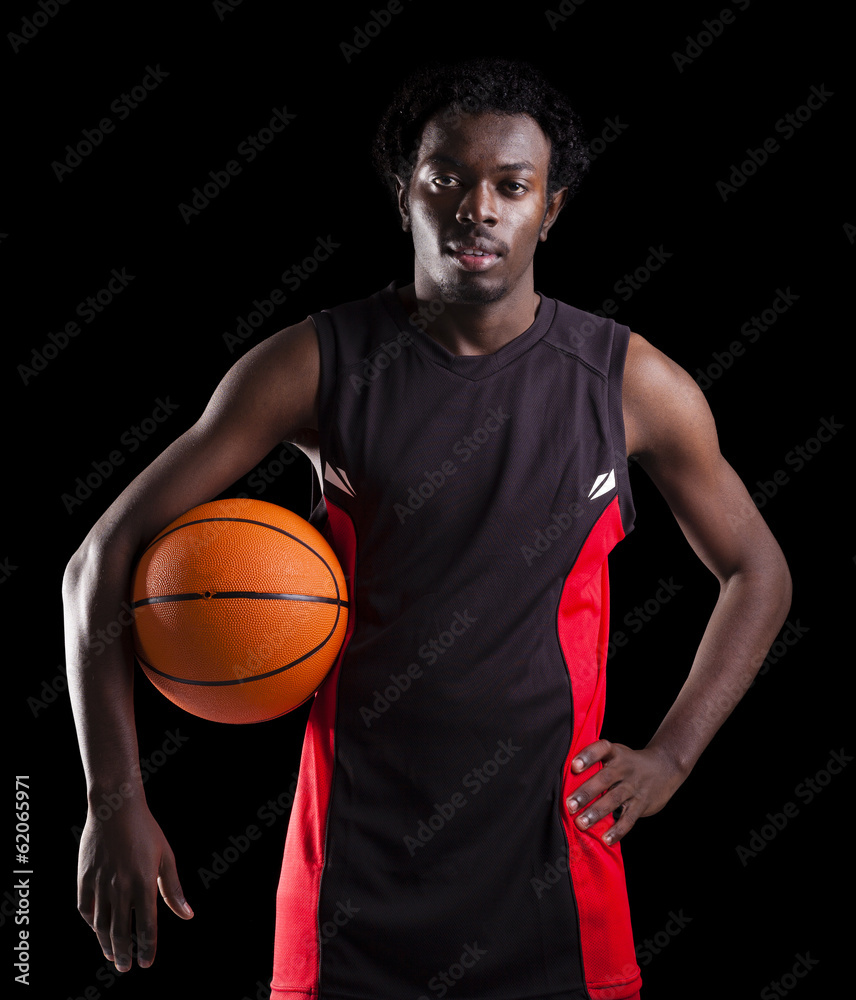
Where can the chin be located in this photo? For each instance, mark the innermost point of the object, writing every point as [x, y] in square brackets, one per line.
[473, 293]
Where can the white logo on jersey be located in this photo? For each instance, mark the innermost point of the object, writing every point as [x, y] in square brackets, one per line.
[603, 484]
[336, 477]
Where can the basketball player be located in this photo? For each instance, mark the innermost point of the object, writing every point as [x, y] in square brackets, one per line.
[458, 817]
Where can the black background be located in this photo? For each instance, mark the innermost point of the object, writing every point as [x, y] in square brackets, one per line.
[744, 923]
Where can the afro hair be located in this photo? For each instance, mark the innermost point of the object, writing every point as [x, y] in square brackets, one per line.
[477, 86]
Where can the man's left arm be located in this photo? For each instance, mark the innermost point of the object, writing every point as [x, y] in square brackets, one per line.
[670, 429]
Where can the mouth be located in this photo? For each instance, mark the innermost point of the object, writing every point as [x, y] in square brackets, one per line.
[475, 256]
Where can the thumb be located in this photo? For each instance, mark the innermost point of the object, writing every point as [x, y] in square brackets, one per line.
[170, 889]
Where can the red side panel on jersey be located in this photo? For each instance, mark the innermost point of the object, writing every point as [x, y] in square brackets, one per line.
[597, 871]
[296, 948]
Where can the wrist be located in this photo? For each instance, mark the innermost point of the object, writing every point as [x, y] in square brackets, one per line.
[673, 759]
[106, 798]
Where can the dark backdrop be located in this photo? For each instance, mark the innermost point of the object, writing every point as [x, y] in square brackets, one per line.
[742, 878]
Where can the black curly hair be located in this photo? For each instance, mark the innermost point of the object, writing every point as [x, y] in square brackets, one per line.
[480, 85]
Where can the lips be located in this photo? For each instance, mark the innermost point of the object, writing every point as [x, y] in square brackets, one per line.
[477, 255]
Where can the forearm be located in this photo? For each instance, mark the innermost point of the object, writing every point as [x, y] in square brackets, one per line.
[751, 608]
[99, 654]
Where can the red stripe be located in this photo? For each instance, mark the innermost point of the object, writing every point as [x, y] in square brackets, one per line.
[597, 871]
[296, 951]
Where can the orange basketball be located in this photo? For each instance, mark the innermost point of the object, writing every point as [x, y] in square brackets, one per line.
[240, 610]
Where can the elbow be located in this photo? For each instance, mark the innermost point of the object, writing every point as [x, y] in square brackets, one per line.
[766, 574]
[787, 587]
[776, 575]
[80, 566]
[74, 570]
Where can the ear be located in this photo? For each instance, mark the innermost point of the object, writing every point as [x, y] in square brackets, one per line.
[553, 209]
[401, 197]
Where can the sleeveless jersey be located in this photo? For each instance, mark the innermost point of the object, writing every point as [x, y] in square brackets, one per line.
[472, 502]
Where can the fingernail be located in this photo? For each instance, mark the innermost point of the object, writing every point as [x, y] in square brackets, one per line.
[584, 821]
[573, 805]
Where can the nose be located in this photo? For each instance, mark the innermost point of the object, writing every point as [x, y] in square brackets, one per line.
[477, 206]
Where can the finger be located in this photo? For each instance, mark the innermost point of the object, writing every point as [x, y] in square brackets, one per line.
[623, 825]
[146, 926]
[101, 917]
[120, 932]
[170, 889]
[594, 752]
[608, 803]
[86, 905]
[590, 789]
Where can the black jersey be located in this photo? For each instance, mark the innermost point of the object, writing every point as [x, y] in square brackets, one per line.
[472, 501]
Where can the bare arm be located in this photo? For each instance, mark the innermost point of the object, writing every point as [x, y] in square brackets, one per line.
[270, 395]
[670, 429]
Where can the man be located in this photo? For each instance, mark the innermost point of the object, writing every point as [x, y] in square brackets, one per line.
[457, 817]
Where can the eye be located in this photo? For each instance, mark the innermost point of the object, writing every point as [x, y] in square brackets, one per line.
[518, 188]
[443, 181]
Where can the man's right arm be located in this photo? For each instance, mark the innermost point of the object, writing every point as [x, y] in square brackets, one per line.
[270, 395]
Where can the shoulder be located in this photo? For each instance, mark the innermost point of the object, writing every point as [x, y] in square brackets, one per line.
[593, 339]
[665, 412]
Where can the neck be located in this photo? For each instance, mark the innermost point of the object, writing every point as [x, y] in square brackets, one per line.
[474, 328]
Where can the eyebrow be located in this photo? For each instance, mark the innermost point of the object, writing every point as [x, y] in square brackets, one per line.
[504, 167]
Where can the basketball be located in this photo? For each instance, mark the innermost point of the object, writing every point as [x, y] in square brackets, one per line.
[240, 610]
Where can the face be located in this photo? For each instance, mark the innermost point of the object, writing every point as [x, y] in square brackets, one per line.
[477, 205]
